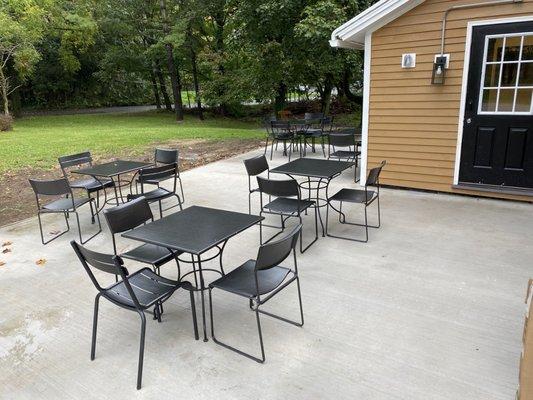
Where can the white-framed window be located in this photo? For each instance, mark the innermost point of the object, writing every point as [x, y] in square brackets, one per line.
[507, 75]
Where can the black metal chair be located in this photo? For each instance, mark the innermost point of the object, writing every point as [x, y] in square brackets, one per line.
[280, 131]
[137, 292]
[130, 215]
[344, 139]
[167, 157]
[262, 277]
[64, 203]
[89, 184]
[359, 196]
[318, 129]
[288, 203]
[150, 175]
[255, 166]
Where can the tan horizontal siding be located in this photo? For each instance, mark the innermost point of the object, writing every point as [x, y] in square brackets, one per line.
[413, 124]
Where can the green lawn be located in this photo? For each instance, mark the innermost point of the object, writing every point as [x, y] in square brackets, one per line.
[38, 141]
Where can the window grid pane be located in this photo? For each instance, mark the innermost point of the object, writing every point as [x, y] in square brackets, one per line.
[507, 83]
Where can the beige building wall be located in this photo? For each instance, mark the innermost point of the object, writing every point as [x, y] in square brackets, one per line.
[412, 123]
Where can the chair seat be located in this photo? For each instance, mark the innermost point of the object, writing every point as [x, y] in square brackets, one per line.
[156, 194]
[288, 206]
[314, 132]
[282, 136]
[91, 184]
[155, 181]
[147, 286]
[65, 204]
[345, 154]
[151, 254]
[241, 280]
[353, 196]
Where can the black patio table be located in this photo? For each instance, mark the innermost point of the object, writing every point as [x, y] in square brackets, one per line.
[112, 170]
[319, 172]
[195, 230]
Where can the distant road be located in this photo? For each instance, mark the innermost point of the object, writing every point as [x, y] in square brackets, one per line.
[103, 110]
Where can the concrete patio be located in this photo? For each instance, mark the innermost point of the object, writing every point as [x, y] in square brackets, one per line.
[431, 308]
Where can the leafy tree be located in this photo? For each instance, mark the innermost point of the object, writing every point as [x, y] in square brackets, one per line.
[22, 26]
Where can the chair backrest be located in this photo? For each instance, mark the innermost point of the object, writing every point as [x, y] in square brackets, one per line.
[166, 156]
[161, 172]
[274, 253]
[278, 127]
[342, 139]
[107, 263]
[373, 175]
[283, 188]
[313, 116]
[256, 165]
[75, 160]
[128, 215]
[56, 187]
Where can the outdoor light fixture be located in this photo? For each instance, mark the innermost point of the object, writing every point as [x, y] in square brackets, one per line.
[439, 70]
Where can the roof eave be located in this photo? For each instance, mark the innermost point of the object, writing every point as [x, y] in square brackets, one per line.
[371, 19]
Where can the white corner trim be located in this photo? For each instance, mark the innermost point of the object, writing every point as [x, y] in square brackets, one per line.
[464, 85]
[366, 107]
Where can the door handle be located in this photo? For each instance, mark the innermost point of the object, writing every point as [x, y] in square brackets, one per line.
[469, 121]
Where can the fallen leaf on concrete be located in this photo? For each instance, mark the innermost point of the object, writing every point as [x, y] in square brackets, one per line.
[40, 262]
[54, 232]
[8, 243]
[6, 250]
[2, 263]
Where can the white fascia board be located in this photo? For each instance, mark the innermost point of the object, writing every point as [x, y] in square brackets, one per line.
[372, 18]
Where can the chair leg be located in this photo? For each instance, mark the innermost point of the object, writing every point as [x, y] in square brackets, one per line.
[160, 209]
[227, 346]
[58, 235]
[272, 149]
[79, 227]
[141, 350]
[302, 249]
[249, 202]
[181, 190]
[344, 221]
[95, 325]
[266, 146]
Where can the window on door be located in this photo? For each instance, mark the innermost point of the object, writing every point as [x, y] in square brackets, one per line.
[507, 76]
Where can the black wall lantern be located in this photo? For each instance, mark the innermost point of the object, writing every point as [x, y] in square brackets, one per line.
[439, 70]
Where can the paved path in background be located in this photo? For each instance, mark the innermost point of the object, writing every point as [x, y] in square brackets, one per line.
[102, 110]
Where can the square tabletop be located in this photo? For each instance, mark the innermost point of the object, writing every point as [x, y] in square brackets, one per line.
[194, 230]
[113, 168]
[313, 167]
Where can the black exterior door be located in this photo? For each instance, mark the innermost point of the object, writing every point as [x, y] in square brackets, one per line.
[497, 145]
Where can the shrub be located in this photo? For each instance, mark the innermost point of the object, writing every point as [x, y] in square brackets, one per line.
[6, 122]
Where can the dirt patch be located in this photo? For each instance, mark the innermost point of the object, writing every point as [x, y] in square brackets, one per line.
[17, 200]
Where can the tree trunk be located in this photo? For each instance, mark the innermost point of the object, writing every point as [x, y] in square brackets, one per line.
[345, 85]
[163, 86]
[281, 95]
[195, 76]
[174, 79]
[220, 22]
[155, 90]
[4, 89]
[325, 94]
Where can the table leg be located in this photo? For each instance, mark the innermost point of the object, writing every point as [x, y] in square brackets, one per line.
[202, 289]
[318, 204]
[115, 189]
[120, 190]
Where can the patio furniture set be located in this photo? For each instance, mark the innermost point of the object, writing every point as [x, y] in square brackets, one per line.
[195, 235]
[300, 133]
